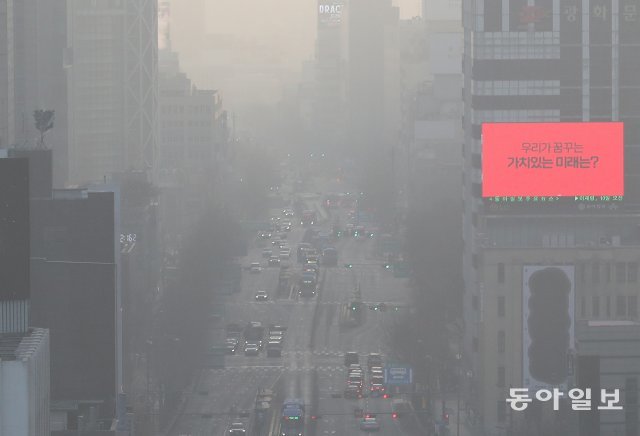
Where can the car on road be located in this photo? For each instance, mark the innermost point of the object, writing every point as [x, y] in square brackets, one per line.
[353, 392]
[255, 267]
[251, 349]
[369, 423]
[374, 359]
[279, 243]
[267, 253]
[355, 379]
[265, 235]
[232, 345]
[236, 429]
[351, 357]
[274, 349]
[262, 296]
[274, 261]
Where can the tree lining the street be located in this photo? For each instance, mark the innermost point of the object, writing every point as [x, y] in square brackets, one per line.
[433, 246]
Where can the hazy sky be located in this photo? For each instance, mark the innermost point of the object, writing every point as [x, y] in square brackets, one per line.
[282, 32]
[289, 22]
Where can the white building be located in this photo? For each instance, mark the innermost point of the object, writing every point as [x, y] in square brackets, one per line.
[24, 383]
[192, 137]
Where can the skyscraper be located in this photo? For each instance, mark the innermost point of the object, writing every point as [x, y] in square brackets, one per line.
[330, 76]
[112, 74]
[544, 61]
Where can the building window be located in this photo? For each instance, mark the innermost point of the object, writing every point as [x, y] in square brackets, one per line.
[633, 306]
[595, 273]
[502, 410]
[621, 305]
[501, 308]
[501, 341]
[501, 377]
[632, 272]
[621, 272]
[581, 273]
[595, 306]
[501, 273]
[607, 273]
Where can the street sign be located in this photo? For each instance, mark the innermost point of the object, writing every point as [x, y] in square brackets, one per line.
[398, 375]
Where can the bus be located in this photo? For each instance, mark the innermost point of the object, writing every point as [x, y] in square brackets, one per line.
[292, 418]
[254, 332]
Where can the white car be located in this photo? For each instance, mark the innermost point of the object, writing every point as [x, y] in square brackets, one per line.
[370, 423]
[237, 428]
[255, 267]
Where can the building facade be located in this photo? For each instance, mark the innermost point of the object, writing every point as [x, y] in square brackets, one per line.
[112, 87]
[24, 383]
[543, 61]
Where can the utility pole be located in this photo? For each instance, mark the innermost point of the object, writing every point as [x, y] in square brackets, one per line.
[458, 361]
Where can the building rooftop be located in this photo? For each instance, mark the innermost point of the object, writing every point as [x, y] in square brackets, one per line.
[20, 346]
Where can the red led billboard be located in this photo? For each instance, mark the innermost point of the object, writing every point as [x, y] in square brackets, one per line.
[552, 159]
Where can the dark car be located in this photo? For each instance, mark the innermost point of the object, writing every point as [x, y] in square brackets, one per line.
[353, 392]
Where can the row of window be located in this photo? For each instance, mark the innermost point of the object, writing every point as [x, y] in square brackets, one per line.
[595, 272]
[625, 306]
[175, 109]
[521, 52]
[166, 123]
[485, 116]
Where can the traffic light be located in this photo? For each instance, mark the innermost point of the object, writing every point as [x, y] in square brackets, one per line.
[394, 415]
[445, 418]
[386, 396]
[386, 265]
[348, 265]
[354, 306]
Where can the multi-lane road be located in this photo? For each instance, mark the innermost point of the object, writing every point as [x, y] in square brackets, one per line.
[312, 364]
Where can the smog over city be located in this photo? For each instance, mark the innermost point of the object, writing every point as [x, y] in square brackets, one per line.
[319, 217]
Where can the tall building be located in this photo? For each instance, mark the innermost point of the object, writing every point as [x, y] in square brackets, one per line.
[14, 239]
[330, 76]
[544, 61]
[24, 390]
[112, 68]
[371, 80]
[192, 138]
[40, 82]
[7, 74]
[24, 351]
